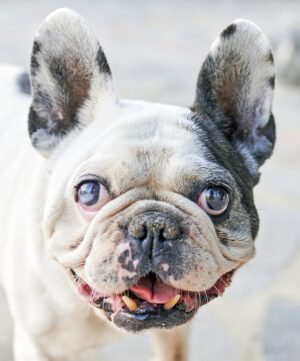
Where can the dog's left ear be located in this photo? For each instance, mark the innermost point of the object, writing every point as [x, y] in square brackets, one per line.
[235, 89]
[70, 79]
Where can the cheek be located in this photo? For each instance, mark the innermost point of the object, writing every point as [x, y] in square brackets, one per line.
[67, 243]
[106, 264]
[87, 215]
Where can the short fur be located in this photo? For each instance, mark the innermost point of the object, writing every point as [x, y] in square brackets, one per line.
[154, 159]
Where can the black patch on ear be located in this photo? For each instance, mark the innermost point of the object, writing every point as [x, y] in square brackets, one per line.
[102, 62]
[72, 89]
[272, 82]
[206, 88]
[270, 57]
[59, 127]
[269, 132]
[34, 64]
[23, 82]
[34, 122]
[229, 31]
[76, 85]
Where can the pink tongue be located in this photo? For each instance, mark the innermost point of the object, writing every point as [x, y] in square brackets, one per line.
[153, 291]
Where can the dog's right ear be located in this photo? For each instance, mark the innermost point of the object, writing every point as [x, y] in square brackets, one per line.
[70, 78]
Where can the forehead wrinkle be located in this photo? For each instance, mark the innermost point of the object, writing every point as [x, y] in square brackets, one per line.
[169, 142]
[144, 151]
[191, 170]
[137, 152]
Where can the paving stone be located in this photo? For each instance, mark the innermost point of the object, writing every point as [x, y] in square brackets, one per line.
[287, 52]
[282, 332]
[278, 242]
[211, 340]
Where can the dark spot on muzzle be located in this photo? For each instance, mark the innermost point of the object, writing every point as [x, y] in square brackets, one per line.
[155, 238]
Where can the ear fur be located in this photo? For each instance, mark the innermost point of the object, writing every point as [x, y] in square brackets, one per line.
[70, 76]
[235, 89]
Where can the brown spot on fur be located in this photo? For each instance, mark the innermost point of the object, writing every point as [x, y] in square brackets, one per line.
[178, 355]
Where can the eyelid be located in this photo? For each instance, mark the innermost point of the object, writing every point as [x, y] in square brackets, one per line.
[220, 184]
[92, 178]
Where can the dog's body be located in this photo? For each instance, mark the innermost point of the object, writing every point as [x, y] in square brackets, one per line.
[129, 190]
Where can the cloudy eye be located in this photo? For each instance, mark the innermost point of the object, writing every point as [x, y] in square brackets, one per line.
[214, 200]
[92, 195]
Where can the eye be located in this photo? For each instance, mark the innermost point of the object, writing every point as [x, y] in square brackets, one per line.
[214, 200]
[91, 195]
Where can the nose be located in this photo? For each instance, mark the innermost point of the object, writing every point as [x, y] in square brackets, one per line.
[154, 227]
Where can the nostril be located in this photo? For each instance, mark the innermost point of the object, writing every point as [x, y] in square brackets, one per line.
[138, 232]
[141, 234]
[170, 233]
[162, 235]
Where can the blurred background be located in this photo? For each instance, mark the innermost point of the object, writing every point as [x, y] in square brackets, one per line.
[155, 49]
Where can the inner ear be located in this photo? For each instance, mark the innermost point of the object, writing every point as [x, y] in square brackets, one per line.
[70, 77]
[235, 89]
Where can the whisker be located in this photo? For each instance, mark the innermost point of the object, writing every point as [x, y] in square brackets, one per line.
[226, 284]
[216, 288]
[78, 264]
[206, 296]
[86, 313]
[198, 299]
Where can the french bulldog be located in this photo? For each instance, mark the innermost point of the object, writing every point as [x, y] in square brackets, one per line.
[125, 215]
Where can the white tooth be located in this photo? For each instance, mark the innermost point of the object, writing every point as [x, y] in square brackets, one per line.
[130, 303]
[172, 302]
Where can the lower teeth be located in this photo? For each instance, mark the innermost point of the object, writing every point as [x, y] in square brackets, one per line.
[169, 305]
[130, 303]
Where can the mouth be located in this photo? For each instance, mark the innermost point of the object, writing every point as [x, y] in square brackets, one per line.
[151, 303]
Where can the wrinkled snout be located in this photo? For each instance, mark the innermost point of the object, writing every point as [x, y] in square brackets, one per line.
[152, 230]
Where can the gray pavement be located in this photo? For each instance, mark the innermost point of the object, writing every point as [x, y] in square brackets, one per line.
[155, 49]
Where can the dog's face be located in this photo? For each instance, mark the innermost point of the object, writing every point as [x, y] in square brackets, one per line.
[149, 208]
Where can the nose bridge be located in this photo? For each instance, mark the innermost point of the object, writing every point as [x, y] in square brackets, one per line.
[156, 219]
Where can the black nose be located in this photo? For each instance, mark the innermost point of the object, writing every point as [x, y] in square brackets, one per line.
[153, 227]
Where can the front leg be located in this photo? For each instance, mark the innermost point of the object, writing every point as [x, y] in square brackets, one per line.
[171, 345]
[25, 349]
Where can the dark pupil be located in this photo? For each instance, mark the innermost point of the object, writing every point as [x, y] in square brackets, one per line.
[88, 193]
[216, 198]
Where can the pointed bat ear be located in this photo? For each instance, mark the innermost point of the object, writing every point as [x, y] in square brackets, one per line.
[235, 88]
[70, 77]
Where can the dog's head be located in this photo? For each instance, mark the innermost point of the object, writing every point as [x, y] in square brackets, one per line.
[149, 207]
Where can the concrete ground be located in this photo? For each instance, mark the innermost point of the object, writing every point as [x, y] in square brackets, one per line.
[155, 50]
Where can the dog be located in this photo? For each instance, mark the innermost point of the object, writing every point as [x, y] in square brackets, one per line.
[121, 215]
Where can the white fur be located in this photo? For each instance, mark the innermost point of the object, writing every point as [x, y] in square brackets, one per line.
[38, 220]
